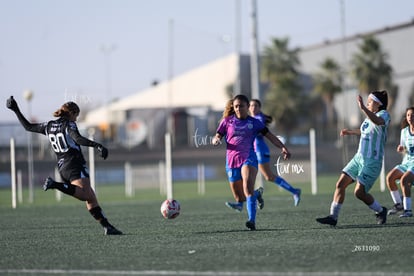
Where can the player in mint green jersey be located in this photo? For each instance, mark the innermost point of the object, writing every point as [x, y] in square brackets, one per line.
[365, 167]
[404, 171]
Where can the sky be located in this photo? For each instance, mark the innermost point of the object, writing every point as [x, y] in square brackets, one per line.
[94, 51]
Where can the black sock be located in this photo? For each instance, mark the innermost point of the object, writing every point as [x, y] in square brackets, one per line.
[97, 214]
[65, 188]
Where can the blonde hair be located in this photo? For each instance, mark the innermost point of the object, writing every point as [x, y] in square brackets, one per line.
[66, 110]
[228, 109]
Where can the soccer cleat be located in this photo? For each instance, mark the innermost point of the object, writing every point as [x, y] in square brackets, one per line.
[110, 230]
[296, 197]
[260, 198]
[382, 217]
[397, 208]
[235, 206]
[48, 183]
[406, 214]
[327, 220]
[251, 225]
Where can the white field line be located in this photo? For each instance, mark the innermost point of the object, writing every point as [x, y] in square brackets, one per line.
[182, 272]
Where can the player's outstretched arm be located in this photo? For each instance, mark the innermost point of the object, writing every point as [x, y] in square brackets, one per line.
[276, 141]
[216, 139]
[83, 141]
[371, 115]
[12, 105]
[346, 131]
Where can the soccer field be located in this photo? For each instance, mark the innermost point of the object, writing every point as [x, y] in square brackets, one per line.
[50, 238]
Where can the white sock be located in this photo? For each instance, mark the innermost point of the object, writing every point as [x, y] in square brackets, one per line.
[376, 207]
[407, 203]
[335, 208]
[396, 197]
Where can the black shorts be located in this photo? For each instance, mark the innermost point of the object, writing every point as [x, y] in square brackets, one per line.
[72, 169]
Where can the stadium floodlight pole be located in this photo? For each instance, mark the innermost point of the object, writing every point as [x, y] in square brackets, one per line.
[254, 66]
[170, 74]
[28, 95]
[170, 130]
[344, 85]
[254, 57]
[237, 45]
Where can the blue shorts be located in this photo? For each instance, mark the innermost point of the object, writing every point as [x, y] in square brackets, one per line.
[365, 171]
[262, 150]
[263, 157]
[234, 174]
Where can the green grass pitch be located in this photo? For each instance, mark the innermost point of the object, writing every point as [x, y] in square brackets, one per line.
[61, 238]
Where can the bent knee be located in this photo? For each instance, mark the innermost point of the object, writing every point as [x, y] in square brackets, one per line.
[406, 182]
[360, 192]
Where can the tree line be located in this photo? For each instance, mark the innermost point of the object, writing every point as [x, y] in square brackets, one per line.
[284, 98]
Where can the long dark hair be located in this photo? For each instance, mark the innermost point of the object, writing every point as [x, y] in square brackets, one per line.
[268, 119]
[383, 97]
[242, 98]
[66, 110]
[404, 122]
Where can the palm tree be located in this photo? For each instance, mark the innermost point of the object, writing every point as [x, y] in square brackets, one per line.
[284, 100]
[279, 60]
[370, 67]
[372, 71]
[327, 83]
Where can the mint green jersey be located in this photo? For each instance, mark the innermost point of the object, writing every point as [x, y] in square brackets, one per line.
[373, 137]
[407, 141]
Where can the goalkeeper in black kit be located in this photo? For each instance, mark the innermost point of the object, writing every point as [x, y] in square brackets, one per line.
[66, 142]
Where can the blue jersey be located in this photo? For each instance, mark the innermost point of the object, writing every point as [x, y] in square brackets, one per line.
[260, 145]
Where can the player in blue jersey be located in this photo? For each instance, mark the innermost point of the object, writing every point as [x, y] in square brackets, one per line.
[66, 140]
[263, 155]
[403, 172]
[365, 166]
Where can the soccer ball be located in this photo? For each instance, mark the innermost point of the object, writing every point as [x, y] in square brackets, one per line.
[170, 209]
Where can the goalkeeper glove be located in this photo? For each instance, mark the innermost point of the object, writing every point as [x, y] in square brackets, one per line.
[103, 152]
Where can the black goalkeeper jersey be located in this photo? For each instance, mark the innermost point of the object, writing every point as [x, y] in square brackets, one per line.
[64, 137]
